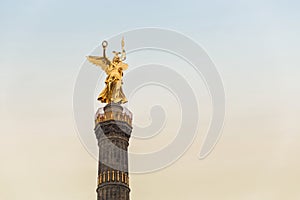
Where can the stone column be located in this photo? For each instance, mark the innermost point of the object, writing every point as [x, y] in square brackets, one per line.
[113, 129]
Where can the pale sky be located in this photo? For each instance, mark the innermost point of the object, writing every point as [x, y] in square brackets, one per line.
[254, 45]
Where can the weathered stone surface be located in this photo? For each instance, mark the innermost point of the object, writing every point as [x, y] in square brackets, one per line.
[113, 140]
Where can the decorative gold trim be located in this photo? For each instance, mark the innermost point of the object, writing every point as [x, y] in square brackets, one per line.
[112, 176]
[125, 178]
[100, 179]
[109, 116]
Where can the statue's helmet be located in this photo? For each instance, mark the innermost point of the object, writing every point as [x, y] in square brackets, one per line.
[116, 57]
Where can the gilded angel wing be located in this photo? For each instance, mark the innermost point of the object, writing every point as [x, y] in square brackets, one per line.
[103, 62]
[124, 66]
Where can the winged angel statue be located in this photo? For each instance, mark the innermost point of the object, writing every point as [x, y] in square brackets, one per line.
[112, 93]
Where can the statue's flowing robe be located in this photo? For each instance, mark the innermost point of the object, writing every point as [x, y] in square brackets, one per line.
[113, 91]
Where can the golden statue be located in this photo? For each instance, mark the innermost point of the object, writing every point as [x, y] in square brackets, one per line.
[112, 92]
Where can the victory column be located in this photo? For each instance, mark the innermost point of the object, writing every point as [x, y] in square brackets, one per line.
[113, 126]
